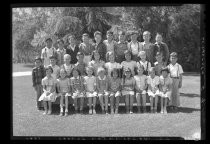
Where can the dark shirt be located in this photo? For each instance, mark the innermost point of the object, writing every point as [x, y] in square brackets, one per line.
[72, 53]
[38, 73]
[86, 49]
[81, 68]
[101, 48]
[162, 48]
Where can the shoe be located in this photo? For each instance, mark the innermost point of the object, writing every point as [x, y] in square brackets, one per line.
[66, 114]
[94, 111]
[45, 112]
[116, 111]
[131, 112]
[49, 112]
[165, 112]
[161, 111]
[90, 111]
[61, 114]
[106, 111]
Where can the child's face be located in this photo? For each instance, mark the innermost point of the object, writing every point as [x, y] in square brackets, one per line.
[109, 37]
[80, 58]
[49, 43]
[60, 45]
[173, 60]
[85, 39]
[62, 74]
[152, 73]
[134, 37]
[158, 38]
[111, 58]
[67, 60]
[127, 74]
[128, 56]
[75, 73]
[146, 37]
[38, 63]
[89, 71]
[121, 38]
[98, 38]
[115, 74]
[159, 58]
[143, 56]
[164, 74]
[101, 73]
[71, 40]
[52, 62]
[96, 56]
[140, 71]
[48, 72]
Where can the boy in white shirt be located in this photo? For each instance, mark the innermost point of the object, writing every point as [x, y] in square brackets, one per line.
[176, 72]
[144, 62]
[56, 69]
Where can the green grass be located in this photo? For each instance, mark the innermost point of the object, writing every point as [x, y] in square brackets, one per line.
[27, 121]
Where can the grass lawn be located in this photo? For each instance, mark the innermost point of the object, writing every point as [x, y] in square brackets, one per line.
[21, 67]
[27, 121]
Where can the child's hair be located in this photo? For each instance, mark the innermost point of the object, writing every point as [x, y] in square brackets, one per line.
[152, 69]
[91, 68]
[173, 54]
[140, 66]
[85, 35]
[141, 53]
[100, 69]
[60, 41]
[146, 32]
[165, 69]
[93, 53]
[75, 69]
[128, 52]
[115, 70]
[158, 54]
[62, 69]
[52, 57]
[48, 39]
[158, 34]
[49, 67]
[66, 55]
[109, 32]
[126, 70]
[38, 58]
[108, 55]
[71, 35]
[80, 53]
[97, 33]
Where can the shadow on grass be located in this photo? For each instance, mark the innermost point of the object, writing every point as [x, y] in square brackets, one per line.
[191, 74]
[187, 110]
[28, 65]
[189, 95]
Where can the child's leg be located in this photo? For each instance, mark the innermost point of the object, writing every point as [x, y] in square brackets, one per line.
[112, 102]
[138, 101]
[66, 103]
[131, 102]
[90, 102]
[94, 102]
[144, 102]
[75, 104]
[81, 103]
[101, 99]
[117, 101]
[156, 100]
[50, 107]
[61, 103]
[106, 98]
[151, 103]
[39, 93]
[45, 106]
[165, 105]
[127, 103]
[161, 103]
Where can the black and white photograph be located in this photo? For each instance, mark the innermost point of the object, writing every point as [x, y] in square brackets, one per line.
[107, 71]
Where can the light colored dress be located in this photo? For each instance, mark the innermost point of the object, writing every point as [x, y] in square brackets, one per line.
[131, 65]
[68, 69]
[128, 86]
[140, 83]
[110, 46]
[165, 83]
[77, 87]
[154, 85]
[64, 86]
[90, 82]
[110, 66]
[56, 71]
[101, 83]
[96, 65]
[114, 87]
[49, 83]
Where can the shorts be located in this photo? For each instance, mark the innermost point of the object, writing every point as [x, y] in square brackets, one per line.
[166, 95]
[91, 94]
[124, 92]
[115, 94]
[151, 94]
[66, 94]
[77, 95]
[103, 93]
[143, 92]
[51, 97]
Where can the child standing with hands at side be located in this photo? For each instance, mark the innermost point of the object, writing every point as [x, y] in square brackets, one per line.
[67, 66]
[153, 82]
[128, 85]
[49, 95]
[80, 65]
[159, 64]
[144, 62]
[90, 88]
[176, 72]
[141, 85]
[102, 88]
[64, 91]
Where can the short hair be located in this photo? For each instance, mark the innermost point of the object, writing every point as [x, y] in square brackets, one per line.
[146, 32]
[122, 33]
[140, 66]
[93, 53]
[71, 35]
[60, 41]
[66, 55]
[85, 34]
[52, 57]
[38, 58]
[49, 67]
[90, 68]
[134, 32]
[97, 33]
[48, 39]
[115, 70]
[165, 69]
[100, 69]
[158, 54]
[142, 53]
[152, 69]
[173, 54]
[80, 53]
[63, 70]
[75, 69]
[127, 70]
[127, 52]
[109, 32]
[108, 55]
[158, 34]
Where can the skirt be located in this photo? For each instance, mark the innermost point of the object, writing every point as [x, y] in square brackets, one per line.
[143, 92]
[103, 94]
[115, 94]
[65, 94]
[91, 94]
[166, 95]
[150, 93]
[125, 92]
[51, 97]
[78, 95]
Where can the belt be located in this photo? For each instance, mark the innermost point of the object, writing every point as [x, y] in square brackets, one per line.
[175, 77]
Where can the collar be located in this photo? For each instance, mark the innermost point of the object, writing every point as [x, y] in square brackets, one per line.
[157, 43]
[53, 66]
[101, 79]
[143, 62]
[76, 77]
[72, 47]
[145, 43]
[61, 50]
[134, 43]
[176, 64]
[122, 42]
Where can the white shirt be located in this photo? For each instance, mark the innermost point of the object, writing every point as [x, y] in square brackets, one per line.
[46, 53]
[56, 71]
[131, 65]
[90, 82]
[140, 81]
[68, 68]
[109, 46]
[110, 66]
[134, 47]
[175, 70]
[101, 78]
[153, 82]
[144, 64]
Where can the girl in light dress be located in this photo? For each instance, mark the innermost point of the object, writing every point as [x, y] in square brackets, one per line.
[90, 88]
[115, 90]
[111, 64]
[141, 85]
[128, 85]
[153, 82]
[67, 65]
[63, 86]
[165, 89]
[77, 87]
[96, 62]
[102, 88]
[49, 94]
[158, 64]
